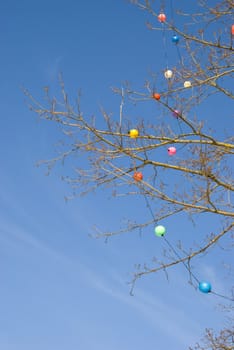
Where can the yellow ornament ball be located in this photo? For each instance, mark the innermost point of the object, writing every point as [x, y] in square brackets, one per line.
[133, 133]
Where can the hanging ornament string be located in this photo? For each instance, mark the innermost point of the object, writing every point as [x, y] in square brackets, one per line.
[180, 127]
[172, 12]
[222, 296]
[162, 19]
[164, 43]
[166, 240]
[180, 258]
[204, 287]
[176, 113]
[178, 52]
[175, 38]
[168, 73]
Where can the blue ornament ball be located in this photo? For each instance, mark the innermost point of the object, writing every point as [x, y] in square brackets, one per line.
[205, 287]
[175, 39]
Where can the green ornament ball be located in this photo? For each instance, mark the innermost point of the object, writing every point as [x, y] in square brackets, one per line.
[160, 230]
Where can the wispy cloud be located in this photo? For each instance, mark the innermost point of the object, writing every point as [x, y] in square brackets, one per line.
[53, 69]
[159, 313]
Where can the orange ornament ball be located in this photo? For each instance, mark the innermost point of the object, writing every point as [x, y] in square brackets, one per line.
[162, 17]
[156, 96]
[138, 176]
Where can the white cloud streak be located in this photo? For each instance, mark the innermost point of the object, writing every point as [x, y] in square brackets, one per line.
[158, 313]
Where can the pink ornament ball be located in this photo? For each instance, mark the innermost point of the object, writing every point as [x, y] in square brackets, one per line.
[176, 113]
[232, 29]
[171, 151]
[162, 17]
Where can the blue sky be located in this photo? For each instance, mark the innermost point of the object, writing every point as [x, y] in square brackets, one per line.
[60, 289]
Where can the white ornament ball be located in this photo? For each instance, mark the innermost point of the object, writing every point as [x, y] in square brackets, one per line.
[187, 84]
[168, 74]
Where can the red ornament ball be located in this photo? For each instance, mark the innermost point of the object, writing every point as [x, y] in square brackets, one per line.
[162, 17]
[156, 96]
[232, 29]
[138, 176]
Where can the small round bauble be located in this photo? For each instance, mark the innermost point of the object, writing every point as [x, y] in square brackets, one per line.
[133, 133]
[176, 113]
[175, 39]
[232, 29]
[204, 287]
[168, 74]
[171, 151]
[162, 17]
[138, 176]
[187, 84]
[156, 96]
[160, 230]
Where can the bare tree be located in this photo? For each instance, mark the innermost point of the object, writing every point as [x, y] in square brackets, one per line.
[131, 156]
[224, 340]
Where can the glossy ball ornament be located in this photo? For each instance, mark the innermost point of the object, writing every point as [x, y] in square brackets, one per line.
[162, 17]
[176, 113]
[232, 29]
[204, 287]
[171, 151]
[168, 74]
[160, 230]
[133, 133]
[187, 84]
[156, 96]
[138, 176]
[175, 39]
